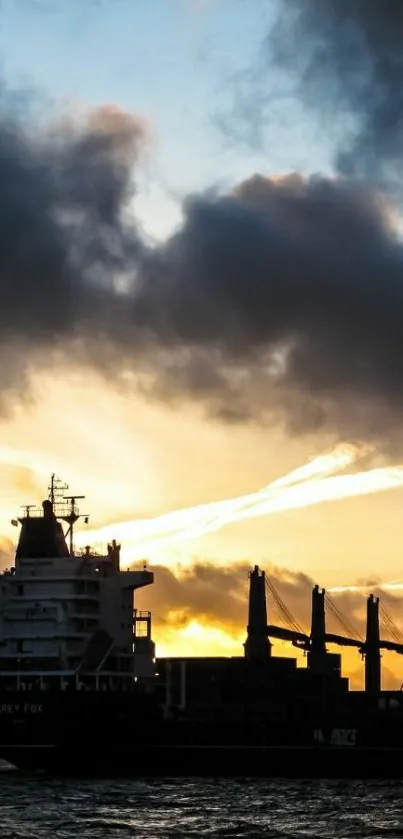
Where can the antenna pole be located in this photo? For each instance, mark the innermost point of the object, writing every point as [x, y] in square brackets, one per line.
[52, 489]
[71, 526]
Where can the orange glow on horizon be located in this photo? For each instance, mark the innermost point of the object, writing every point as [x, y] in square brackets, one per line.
[131, 458]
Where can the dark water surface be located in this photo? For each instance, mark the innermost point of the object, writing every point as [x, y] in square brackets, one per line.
[35, 807]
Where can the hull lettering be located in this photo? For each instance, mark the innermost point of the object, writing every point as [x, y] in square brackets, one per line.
[338, 737]
[27, 708]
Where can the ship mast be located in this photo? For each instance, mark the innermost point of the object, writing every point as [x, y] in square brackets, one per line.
[57, 498]
[52, 489]
[56, 489]
[59, 509]
[72, 516]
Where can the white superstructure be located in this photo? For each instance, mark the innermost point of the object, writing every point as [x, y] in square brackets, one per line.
[68, 621]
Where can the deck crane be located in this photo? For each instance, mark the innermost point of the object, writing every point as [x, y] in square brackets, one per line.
[258, 647]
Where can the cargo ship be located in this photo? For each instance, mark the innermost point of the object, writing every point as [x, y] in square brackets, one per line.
[83, 692]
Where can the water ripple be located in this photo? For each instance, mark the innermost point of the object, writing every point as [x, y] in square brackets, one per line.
[39, 808]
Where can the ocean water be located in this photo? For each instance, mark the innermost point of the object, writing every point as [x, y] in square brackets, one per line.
[37, 807]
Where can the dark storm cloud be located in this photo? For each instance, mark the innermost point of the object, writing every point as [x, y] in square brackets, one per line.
[347, 58]
[63, 234]
[282, 300]
[286, 296]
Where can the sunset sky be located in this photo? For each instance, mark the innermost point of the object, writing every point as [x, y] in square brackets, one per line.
[214, 116]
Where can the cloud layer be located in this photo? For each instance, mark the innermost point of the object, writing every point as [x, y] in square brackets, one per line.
[278, 302]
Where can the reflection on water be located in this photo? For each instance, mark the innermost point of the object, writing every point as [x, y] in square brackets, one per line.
[36, 807]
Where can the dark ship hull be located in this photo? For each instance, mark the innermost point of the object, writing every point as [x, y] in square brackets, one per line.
[93, 734]
[205, 761]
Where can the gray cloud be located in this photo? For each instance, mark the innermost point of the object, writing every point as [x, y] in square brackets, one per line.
[278, 302]
[346, 59]
[283, 298]
[64, 234]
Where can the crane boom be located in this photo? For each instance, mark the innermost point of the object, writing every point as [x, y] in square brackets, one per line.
[287, 634]
[342, 641]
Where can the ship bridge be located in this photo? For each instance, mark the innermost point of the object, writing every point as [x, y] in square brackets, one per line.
[68, 615]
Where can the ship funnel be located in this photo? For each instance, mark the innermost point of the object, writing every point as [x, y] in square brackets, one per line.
[48, 509]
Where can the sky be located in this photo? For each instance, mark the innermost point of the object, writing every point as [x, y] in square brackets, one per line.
[215, 114]
[168, 62]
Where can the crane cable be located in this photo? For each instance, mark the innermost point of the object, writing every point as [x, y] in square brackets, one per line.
[348, 627]
[283, 608]
[390, 624]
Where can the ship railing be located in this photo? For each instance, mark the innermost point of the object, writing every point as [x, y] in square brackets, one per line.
[31, 511]
[69, 680]
[81, 552]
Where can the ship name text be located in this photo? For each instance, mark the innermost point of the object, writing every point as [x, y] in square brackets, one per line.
[21, 708]
[338, 737]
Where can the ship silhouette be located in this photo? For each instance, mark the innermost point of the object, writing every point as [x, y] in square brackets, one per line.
[82, 691]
